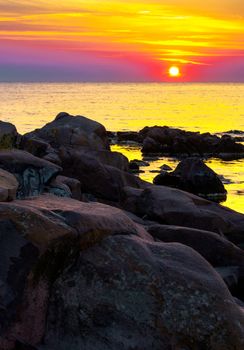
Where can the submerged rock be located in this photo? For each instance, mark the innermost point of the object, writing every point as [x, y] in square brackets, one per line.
[192, 175]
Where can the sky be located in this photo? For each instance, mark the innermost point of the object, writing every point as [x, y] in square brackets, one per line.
[129, 40]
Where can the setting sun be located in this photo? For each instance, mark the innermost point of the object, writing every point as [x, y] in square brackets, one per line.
[174, 71]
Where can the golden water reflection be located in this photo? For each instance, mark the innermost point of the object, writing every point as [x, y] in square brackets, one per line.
[232, 171]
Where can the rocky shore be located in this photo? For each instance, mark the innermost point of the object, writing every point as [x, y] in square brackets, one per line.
[94, 258]
[168, 141]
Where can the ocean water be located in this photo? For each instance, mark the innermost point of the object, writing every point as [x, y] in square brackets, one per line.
[195, 107]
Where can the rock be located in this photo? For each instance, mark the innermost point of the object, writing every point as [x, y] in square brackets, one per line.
[59, 188]
[47, 218]
[73, 185]
[102, 181]
[17, 257]
[140, 162]
[8, 186]
[124, 136]
[38, 239]
[134, 167]
[32, 173]
[177, 142]
[127, 293]
[192, 175]
[8, 135]
[171, 206]
[114, 159]
[217, 250]
[166, 167]
[70, 131]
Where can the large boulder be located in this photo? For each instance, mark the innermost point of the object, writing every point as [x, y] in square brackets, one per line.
[8, 135]
[127, 293]
[8, 186]
[102, 181]
[70, 131]
[171, 206]
[46, 218]
[192, 175]
[83, 275]
[217, 250]
[32, 173]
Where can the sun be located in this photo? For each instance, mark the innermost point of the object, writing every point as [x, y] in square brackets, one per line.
[174, 71]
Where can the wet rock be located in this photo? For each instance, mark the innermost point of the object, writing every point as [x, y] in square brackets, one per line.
[128, 293]
[70, 131]
[32, 173]
[171, 206]
[8, 135]
[8, 186]
[192, 175]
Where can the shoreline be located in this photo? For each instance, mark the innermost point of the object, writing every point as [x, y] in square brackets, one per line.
[88, 249]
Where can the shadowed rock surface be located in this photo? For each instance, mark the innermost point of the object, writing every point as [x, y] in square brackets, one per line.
[79, 274]
[8, 135]
[127, 293]
[170, 206]
[192, 175]
[31, 172]
[101, 180]
[8, 186]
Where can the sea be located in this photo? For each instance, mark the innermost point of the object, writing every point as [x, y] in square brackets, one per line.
[208, 107]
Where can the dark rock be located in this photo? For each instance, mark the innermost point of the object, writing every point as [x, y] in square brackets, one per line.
[127, 293]
[70, 131]
[177, 142]
[8, 186]
[192, 175]
[140, 162]
[8, 135]
[217, 250]
[171, 206]
[32, 173]
[134, 166]
[166, 167]
[17, 257]
[128, 136]
[114, 159]
[102, 181]
[73, 185]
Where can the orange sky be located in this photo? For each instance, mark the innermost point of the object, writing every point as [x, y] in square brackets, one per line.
[122, 40]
